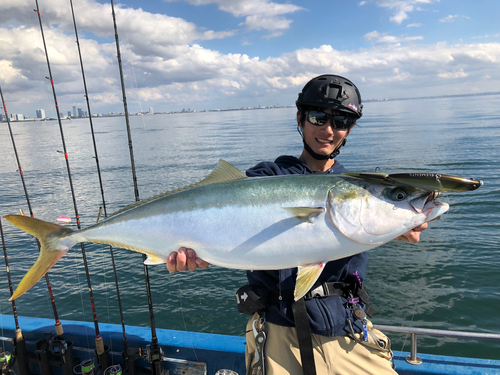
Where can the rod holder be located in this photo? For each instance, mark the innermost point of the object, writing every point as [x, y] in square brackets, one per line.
[103, 358]
[21, 354]
[42, 353]
[130, 355]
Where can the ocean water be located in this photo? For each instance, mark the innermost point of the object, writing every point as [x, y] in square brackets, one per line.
[449, 280]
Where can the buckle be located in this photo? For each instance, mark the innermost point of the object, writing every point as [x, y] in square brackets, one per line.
[326, 290]
[319, 291]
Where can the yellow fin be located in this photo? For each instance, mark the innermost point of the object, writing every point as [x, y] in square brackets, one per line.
[51, 248]
[224, 172]
[154, 259]
[305, 213]
[306, 277]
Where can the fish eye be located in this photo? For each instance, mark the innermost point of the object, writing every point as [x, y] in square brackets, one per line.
[397, 194]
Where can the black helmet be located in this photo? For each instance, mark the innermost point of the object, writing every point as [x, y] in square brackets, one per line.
[331, 91]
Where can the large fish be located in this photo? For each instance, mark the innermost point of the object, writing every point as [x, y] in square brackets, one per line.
[259, 223]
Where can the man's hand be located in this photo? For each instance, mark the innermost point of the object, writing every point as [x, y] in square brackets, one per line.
[184, 259]
[413, 236]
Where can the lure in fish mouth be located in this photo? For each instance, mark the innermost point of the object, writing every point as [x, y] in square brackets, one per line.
[264, 223]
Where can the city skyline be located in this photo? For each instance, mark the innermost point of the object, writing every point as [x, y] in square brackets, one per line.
[151, 110]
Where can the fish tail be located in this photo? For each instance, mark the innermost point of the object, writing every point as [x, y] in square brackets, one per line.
[52, 248]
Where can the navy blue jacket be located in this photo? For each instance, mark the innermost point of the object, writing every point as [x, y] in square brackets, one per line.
[327, 315]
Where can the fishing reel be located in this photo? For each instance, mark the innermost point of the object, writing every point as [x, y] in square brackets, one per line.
[57, 345]
[154, 353]
[87, 367]
[6, 362]
[113, 370]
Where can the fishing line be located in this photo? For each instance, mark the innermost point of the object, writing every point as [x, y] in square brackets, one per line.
[58, 325]
[135, 78]
[156, 354]
[96, 156]
[408, 335]
[98, 340]
[124, 96]
[184, 322]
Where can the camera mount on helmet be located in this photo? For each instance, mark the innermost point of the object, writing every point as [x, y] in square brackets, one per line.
[331, 91]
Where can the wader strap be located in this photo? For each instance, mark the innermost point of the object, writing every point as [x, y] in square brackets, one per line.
[304, 336]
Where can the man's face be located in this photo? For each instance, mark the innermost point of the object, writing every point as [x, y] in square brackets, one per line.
[322, 139]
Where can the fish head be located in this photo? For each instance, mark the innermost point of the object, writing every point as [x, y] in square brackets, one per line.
[371, 213]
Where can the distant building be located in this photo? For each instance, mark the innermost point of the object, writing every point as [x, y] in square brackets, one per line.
[20, 117]
[1, 117]
[151, 112]
[80, 113]
[69, 113]
[40, 113]
[74, 111]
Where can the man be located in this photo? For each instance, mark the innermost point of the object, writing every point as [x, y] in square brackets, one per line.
[341, 339]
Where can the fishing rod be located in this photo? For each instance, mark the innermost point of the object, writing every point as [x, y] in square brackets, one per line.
[154, 353]
[125, 341]
[57, 343]
[19, 344]
[58, 325]
[102, 354]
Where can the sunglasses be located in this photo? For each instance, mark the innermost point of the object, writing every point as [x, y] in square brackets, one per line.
[338, 122]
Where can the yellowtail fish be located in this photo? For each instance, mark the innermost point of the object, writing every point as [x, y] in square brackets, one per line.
[263, 223]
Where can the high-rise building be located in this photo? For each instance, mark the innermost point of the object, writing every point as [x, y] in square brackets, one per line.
[80, 113]
[40, 113]
[1, 117]
[74, 111]
[151, 112]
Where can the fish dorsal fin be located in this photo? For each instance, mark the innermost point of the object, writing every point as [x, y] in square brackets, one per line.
[224, 172]
[306, 214]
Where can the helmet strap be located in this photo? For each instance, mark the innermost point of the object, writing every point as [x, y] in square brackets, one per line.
[317, 156]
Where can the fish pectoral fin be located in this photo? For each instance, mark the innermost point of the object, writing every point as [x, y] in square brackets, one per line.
[154, 259]
[307, 275]
[304, 213]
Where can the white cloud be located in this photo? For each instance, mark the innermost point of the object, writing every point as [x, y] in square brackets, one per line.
[376, 37]
[414, 25]
[164, 63]
[259, 14]
[449, 18]
[372, 35]
[458, 74]
[400, 9]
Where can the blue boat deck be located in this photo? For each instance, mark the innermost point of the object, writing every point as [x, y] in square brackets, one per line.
[201, 353]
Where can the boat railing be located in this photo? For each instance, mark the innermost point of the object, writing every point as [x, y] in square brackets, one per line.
[414, 331]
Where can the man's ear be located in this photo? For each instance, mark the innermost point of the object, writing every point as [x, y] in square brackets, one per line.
[299, 118]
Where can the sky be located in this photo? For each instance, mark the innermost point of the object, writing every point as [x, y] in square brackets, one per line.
[215, 54]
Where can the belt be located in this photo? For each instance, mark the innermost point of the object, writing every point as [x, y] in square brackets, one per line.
[346, 290]
[330, 289]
